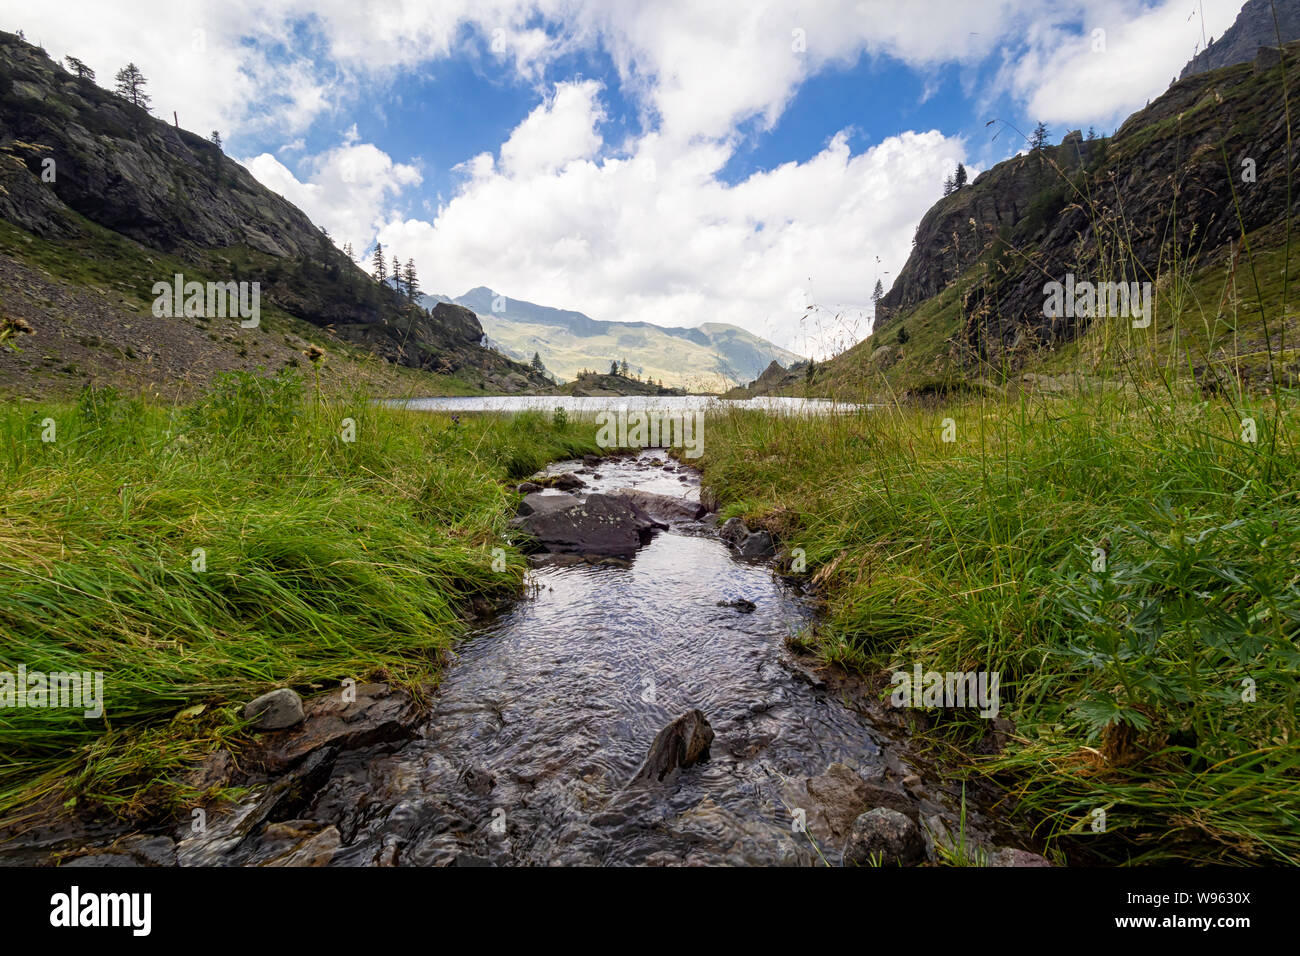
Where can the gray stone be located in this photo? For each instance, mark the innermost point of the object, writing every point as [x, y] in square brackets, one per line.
[997, 737]
[275, 710]
[538, 502]
[886, 837]
[662, 507]
[733, 531]
[884, 356]
[369, 714]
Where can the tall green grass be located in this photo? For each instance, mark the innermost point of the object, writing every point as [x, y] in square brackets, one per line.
[1127, 683]
[324, 560]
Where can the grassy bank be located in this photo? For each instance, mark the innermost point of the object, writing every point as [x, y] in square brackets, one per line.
[1129, 680]
[322, 559]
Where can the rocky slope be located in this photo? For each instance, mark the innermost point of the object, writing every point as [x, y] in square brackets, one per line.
[133, 199]
[1254, 27]
[1171, 191]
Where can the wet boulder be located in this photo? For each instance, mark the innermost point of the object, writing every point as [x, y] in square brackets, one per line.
[682, 743]
[885, 837]
[733, 531]
[662, 507]
[758, 545]
[601, 524]
[567, 482]
[755, 545]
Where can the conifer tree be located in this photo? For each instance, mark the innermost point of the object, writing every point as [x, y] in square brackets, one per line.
[130, 86]
[412, 281]
[76, 66]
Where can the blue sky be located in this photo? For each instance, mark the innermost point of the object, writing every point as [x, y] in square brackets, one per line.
[758, 162]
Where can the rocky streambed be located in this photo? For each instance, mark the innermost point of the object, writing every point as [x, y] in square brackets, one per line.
[641, 706]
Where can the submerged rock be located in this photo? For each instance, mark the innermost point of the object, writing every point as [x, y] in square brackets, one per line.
[885, 837]
[833, 800]
[103, 860]
[682, 743]
[740, 604]
[297, 843]
[275, 710]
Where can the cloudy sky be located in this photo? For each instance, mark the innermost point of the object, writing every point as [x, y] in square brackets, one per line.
[677, 161]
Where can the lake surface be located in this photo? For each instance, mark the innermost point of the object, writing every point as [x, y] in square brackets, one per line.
[666, 403]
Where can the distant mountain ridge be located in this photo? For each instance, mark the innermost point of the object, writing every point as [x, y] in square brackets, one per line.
[713, 355]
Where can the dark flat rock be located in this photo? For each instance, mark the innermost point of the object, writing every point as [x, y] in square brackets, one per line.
[604, 525]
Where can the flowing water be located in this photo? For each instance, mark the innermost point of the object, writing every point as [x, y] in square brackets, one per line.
[557, 702]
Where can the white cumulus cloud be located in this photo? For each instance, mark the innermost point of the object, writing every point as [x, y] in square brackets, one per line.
[348, 189]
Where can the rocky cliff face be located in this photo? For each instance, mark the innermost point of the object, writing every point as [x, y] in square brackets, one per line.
[1016, 195]
[1180, 182]
[72, 153]
[119, 167]
[1254, 27]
